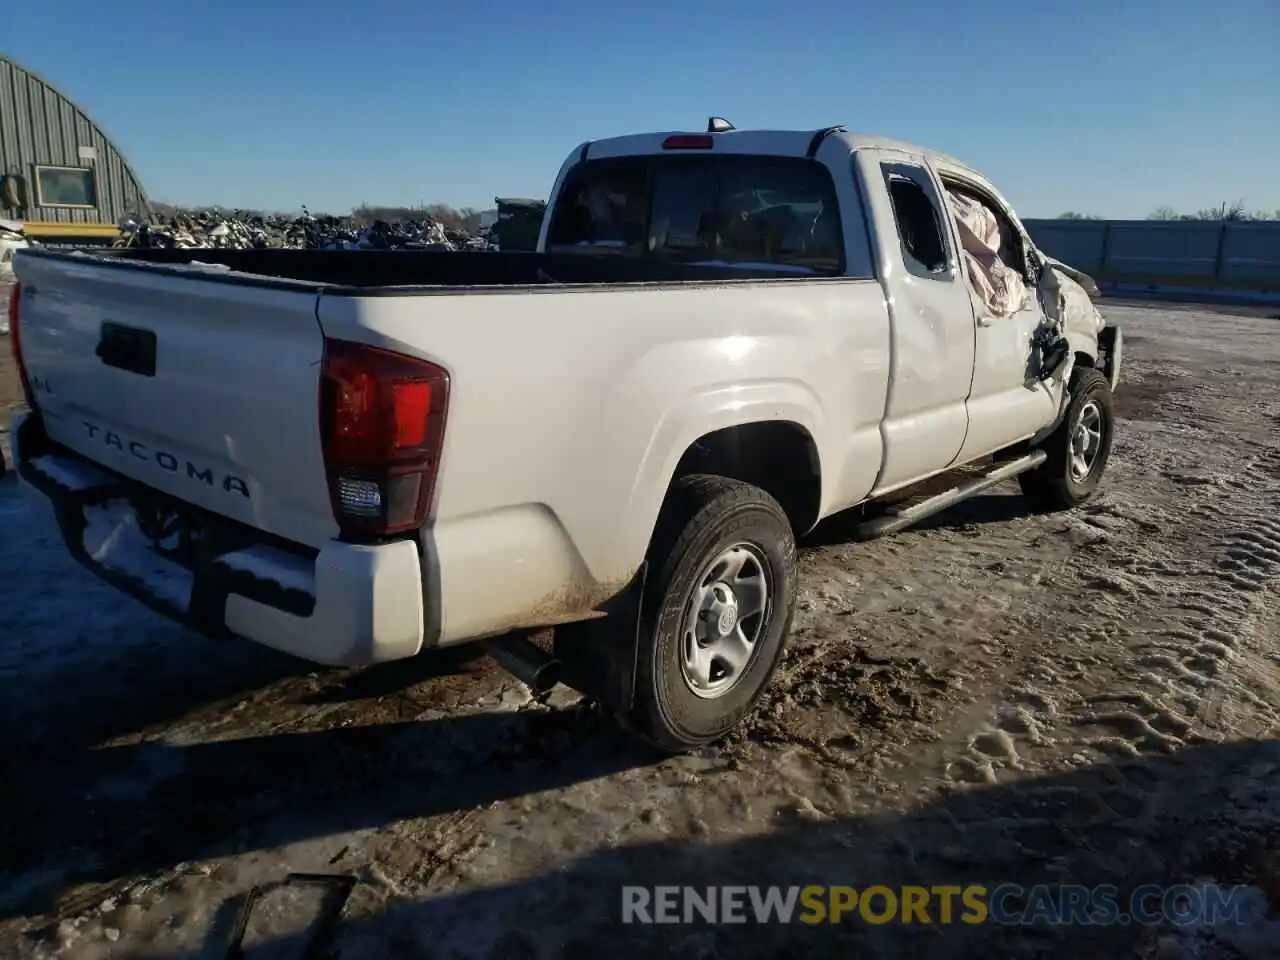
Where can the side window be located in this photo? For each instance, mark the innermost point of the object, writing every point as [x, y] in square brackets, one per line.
[920, 229]
[1015, 248]
[602, 207]
[1012, 250]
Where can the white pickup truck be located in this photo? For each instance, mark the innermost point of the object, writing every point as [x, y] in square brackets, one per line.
[722, 339]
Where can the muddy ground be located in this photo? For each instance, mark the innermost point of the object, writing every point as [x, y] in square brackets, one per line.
[1089, 698]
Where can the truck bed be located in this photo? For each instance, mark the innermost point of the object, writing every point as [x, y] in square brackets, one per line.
[435, 270]
[576, 384]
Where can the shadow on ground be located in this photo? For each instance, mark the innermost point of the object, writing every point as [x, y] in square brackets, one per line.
[1162, 820]
[984, 508]
[87, 700]
[387, 679]
[132, 810]
[81, 664]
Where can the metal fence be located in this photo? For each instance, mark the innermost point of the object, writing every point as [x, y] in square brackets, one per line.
[1221, 255]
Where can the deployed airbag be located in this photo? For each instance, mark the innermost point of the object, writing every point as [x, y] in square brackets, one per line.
[999, 287]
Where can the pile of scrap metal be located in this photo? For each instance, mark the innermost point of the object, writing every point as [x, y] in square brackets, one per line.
[240, 230]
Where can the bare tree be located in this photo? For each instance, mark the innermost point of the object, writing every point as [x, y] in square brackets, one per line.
[1225, 211]
[1230, 212]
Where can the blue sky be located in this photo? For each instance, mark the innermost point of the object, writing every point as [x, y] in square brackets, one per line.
[1101, 106]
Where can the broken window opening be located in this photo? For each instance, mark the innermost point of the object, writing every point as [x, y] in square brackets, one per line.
[919, 227]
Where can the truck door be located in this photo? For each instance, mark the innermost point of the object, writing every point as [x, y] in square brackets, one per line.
[1007, 402]
[932, 322]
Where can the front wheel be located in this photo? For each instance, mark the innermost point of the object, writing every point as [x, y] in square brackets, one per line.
[716, 612]
[1078, 450]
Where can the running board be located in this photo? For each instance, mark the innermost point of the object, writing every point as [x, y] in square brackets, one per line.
[900, 519]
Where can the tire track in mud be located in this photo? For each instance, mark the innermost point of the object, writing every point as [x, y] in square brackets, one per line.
[857, 706]
[1175, 635]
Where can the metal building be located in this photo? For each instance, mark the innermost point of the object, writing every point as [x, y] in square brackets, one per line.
[60, 174]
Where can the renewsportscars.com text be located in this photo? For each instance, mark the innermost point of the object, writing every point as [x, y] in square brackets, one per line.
[1006, 904]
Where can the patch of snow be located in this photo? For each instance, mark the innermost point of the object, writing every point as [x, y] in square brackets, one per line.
[70, 473]
[113, 538]
[57, 615]
[275, 565]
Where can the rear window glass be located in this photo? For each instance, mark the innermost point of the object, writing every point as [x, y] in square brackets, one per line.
[747, 211]
[603, 208]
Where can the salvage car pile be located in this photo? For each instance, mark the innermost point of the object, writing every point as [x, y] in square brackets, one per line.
[196, 229]
[204, 229]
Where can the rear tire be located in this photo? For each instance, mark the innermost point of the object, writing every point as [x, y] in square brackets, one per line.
[1078, 450]
[716, 611]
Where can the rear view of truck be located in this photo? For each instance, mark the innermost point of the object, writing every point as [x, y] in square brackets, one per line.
[209, 452]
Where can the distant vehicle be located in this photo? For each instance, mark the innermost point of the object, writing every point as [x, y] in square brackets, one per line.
[722, 339]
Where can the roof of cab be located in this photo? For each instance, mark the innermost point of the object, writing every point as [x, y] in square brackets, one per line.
[785, 143]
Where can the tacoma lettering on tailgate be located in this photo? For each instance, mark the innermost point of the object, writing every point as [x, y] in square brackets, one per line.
[166, 461]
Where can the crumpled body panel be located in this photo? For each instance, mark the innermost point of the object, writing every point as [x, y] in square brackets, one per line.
[1067, 303]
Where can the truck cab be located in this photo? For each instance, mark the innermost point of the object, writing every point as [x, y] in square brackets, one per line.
[962, 382]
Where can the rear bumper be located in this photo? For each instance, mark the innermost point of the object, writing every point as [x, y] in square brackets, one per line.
[344, 604]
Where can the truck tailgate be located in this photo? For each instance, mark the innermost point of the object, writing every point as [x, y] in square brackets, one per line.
[203, 389]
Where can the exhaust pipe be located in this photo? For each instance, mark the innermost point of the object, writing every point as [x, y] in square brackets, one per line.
[526, 661]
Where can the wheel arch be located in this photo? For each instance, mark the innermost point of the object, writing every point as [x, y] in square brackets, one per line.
[778, 456]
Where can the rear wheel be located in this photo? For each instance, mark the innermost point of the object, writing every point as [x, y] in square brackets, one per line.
[716, 612]
[1078, 450]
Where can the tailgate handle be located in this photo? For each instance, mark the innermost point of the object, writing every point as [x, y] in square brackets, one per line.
[128, 348]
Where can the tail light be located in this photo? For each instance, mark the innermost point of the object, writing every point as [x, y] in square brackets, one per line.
[382, 418]
[15, 339]
[688, 141]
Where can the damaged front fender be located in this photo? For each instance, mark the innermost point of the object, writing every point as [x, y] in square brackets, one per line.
[1068, 306]
[1086, 282]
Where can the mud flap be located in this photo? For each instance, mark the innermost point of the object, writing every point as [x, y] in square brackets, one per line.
[598, 657]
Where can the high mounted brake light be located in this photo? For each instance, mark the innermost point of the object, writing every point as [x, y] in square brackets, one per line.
[15, 338]
[382, 418]
[688, 141]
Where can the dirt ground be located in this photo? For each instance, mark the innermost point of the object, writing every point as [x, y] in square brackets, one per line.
[1087, 698]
